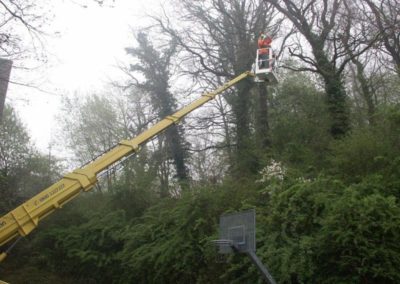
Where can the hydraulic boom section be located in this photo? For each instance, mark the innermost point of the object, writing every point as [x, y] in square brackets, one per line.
[25, 218]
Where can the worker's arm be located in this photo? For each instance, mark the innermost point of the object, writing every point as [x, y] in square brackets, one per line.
[23, 219]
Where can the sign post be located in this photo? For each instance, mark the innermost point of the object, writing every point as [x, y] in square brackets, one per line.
[5, 71]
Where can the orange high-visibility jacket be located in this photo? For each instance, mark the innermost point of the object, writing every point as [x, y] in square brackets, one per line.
[264, 44]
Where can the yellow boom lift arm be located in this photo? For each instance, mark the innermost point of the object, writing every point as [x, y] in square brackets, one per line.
[25, 218]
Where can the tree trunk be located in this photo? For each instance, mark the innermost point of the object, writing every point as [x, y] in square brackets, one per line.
[246, 162]
[5, 70]
[336, 100]
[175, 145]
[335, 91]
[365, 91]
[262, 126]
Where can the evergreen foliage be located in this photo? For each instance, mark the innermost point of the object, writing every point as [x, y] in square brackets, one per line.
[327, 212]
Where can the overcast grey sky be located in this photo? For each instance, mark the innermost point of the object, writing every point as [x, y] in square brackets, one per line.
[82, 57]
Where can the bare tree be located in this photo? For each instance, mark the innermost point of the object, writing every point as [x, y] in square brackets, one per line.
[20, 22]
[219, 39]
[319, 24]
[355, 29]
[384, 16]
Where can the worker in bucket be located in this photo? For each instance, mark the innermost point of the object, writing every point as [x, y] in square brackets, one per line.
[264, 45]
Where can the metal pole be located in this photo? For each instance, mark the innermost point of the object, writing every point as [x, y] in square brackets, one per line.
[264, 271]
[5, 70]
